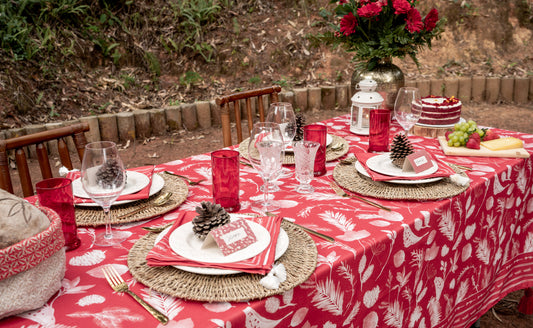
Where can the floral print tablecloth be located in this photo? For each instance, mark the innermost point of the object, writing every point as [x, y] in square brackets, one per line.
[424, 264]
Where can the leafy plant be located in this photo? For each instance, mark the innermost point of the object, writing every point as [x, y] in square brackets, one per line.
[190, 78]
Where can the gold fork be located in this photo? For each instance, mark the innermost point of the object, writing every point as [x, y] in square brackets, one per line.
[339, 191]
[191, 182]
[119, 285]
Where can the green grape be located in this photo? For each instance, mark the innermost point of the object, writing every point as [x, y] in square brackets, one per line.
[457, 126]
[456, 144]
[450, 143]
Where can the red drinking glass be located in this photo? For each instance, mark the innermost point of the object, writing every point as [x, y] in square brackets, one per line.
[225, 169]
[318, 133]
[56, 194]
[379, 130]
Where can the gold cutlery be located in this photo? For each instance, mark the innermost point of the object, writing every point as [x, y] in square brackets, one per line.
[158, 201]
[311, 231]
[119, 285]
[337, 146]
[339, 191]
[348, 160]
[462, 167]
[191, 182]
[157, 229]
[247, 164]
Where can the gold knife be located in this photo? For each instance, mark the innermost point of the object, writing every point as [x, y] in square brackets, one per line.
[311, 231]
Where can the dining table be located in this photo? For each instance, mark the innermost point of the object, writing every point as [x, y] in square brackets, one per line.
[427, 260]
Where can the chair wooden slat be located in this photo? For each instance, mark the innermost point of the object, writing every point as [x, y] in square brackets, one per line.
[235, 98]
[77, 131]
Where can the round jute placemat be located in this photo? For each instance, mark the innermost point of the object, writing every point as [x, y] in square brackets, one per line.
[300, 260]
[348, 178]
[94, 216]
[331, 155]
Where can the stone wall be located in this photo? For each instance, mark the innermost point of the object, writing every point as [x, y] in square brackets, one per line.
[140, 124]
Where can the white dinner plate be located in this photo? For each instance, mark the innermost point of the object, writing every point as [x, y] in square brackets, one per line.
[157, 184]
[361, 169]
[135, 182]
[329, 140]
[184, 242]
[281, 247]
[383, 164]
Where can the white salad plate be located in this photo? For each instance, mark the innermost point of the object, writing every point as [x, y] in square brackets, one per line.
[383, 164]
[157, 184]
[361, 169]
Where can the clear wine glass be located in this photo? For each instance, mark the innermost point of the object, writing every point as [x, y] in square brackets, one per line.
[283, 114]
[265, 149]
[103, 179]
[304, 158]
[407, 107]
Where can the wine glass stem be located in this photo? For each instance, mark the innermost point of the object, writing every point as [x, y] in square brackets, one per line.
[266, 192]
[108, 231]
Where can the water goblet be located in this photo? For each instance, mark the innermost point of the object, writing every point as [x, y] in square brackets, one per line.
[265, 149]
[304, 158]
[407, 107]
[103, 179]
[283, 114]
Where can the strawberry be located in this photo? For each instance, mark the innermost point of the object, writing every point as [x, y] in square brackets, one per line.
[447, 134]
[490, 135]
[475, 136]
[473, 143]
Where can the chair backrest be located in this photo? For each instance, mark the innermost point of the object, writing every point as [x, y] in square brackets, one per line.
[235, 98]
[40, 140]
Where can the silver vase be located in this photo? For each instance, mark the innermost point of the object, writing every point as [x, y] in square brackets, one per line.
[388, 76]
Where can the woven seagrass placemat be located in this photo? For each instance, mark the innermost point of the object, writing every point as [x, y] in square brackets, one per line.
[300, 260]
[331, 155]
[94, 215]
[348, 178]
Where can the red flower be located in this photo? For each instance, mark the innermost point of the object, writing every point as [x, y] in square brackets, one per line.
[401, 7]
[348, 24]
[431, 20]
[369, 10]
[414, 21]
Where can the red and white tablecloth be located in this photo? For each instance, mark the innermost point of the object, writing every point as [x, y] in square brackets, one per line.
[424, 264]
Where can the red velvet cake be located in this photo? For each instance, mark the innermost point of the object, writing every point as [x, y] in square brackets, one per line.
[440, 110]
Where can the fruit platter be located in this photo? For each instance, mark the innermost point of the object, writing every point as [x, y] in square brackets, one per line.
[467, 139]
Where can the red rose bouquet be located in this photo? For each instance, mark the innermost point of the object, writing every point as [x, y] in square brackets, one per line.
[378, 29]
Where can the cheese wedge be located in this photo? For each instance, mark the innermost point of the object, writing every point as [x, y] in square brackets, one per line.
[503, 143]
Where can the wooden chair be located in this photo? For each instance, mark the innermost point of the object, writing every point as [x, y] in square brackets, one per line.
[235, 98]
[39, 139]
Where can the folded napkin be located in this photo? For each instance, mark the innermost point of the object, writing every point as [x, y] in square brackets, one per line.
[443, 171]
[162, 255]
[141, 194]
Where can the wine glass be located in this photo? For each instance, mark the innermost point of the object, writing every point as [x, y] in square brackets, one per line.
[304, 158]
[283, 114]
[103, 179]
[407, 107]
[265, 149]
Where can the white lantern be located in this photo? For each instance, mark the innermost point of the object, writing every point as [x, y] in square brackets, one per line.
[362, 102]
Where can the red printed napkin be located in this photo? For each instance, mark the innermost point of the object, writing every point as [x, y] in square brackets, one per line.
[443, 171]
[162, 255]
[141, 194]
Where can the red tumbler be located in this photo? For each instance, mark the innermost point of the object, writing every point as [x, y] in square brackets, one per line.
[225, 169]
[379, 130]
[318, 133]
[56, 194]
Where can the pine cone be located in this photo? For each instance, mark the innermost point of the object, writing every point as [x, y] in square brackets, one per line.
[210, 216]
[300, 123]
[401, 148]
[108, 174]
